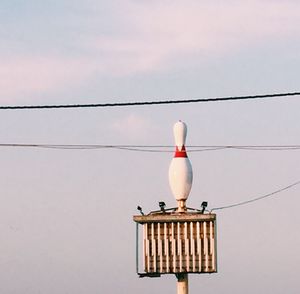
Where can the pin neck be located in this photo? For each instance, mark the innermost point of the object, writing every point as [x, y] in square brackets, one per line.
[180, 153]
[181, 206]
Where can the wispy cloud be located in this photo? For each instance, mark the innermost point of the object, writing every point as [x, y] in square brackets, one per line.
[144, 37]
[164, 33]
[21, 76]
[207, 20]
[133, 126]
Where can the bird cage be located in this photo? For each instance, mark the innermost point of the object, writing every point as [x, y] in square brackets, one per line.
[175, 243]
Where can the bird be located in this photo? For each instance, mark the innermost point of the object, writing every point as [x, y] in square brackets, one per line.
[180, 170]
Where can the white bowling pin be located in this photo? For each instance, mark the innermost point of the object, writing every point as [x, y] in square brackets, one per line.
[180, 170]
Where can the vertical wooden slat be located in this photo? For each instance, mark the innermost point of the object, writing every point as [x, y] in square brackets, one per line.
[186, 245]
[147, 247]
[166, 245]
[206, 253]
[199, 249]
[159, 244]
[153, 247]
[212, 246]
[211, 236]
[179, 244]
[173, 248]
[193, 246]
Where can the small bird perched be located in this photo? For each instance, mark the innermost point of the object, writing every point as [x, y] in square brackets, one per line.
[180, 170]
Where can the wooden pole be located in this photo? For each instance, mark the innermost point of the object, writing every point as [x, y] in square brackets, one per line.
[182, 284]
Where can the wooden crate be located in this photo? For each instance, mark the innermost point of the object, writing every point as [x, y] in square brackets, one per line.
[179, 243]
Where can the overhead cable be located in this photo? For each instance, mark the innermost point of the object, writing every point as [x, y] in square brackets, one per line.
[144, 103]
[153, 148]
[257, 198]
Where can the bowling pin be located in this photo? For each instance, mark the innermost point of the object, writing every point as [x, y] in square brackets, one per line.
[180, 170]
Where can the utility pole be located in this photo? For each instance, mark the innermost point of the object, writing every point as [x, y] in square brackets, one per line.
[182, 284]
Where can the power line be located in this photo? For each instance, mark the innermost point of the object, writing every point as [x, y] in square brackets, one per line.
[143, 103]
[144, 148]
[153, 148]
[257, 198]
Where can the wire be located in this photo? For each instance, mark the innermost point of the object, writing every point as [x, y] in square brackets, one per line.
[144, 148]
[266, 148]
[256, 199]
[154, 148]
[141, 103]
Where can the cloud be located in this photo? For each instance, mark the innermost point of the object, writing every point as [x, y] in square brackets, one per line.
[162, 34]
[21, 76]
[144, 38]
[133, 126]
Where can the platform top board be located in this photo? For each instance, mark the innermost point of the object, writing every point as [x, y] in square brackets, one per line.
[174, 217]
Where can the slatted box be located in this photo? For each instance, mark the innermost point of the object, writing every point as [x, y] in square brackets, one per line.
[179, 243]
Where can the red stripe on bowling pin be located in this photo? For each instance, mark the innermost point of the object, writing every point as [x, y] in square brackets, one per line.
[180, 153]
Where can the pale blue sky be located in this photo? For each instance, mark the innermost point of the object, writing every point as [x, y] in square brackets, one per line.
[66, 215]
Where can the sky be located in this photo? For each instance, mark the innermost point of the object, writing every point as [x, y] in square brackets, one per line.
[66, 215]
